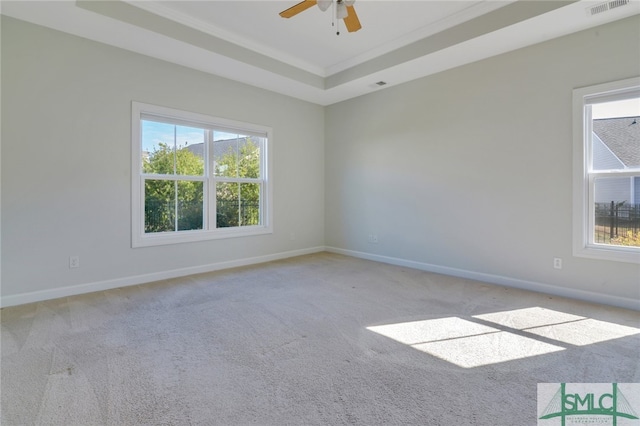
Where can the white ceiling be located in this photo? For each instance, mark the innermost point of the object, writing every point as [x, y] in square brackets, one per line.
[302, 56]
[309, 39]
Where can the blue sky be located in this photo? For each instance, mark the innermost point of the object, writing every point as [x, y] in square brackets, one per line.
[154, 133]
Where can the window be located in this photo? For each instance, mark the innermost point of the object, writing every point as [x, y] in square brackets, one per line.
[607, 171]
[196, 177]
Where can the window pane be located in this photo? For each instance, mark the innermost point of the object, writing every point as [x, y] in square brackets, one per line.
[249, 204]
[159, 206]
[190, 151]
[616, 135]
[237, 204]
[158, 145]
[227, 204]
[225, 154]
[617, 221]
[249, 157]
[190, 202]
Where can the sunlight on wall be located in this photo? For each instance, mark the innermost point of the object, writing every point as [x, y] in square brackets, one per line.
[501, 336]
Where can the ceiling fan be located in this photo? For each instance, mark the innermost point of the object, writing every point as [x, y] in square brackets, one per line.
[344, 11]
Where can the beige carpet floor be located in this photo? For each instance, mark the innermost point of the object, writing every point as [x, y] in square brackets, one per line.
[322, 339]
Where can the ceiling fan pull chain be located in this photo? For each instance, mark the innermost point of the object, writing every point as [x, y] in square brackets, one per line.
[335, 16]
[333, 13]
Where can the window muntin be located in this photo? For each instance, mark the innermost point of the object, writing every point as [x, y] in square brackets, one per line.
[197, 177]
[607, 171]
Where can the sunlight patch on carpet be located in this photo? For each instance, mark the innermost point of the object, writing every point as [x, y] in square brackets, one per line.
[502, 336]
[411, 333]
[585, 332]
[525, 318]
[560, 326]
[476, 351]
[464, 343]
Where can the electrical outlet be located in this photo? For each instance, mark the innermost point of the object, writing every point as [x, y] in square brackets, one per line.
[557, 263]
[373, 238]
[74, 262]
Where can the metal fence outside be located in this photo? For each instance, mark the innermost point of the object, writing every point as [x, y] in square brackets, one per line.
[615, 220]
[160, 215]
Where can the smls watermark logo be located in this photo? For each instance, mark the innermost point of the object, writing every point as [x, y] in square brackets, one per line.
[576, 404]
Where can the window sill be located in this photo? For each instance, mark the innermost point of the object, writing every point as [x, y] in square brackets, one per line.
[167, 238]
[614, 253]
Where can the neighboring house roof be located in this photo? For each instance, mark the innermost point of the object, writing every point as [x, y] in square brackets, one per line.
[622, 136]
[196, 148]
[222, 147]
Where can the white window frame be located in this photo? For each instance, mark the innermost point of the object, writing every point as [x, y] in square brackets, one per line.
[584, 176]
[209, 232]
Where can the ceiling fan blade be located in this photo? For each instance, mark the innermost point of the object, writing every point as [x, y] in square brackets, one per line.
[300, 7]
[351, 21]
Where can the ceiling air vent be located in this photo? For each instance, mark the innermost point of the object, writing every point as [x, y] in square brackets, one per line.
[603, 7]
[617, 3]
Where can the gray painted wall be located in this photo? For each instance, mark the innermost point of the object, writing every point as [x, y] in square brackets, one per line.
[467, 169]
[471, 168]
[66, 135]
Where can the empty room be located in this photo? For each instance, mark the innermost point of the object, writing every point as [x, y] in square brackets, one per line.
[320, 212]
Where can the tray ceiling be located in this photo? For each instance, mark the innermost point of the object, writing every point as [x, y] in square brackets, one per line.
[302, 56]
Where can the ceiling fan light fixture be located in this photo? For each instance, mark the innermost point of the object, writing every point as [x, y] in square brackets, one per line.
[342, 11]
[324, 4]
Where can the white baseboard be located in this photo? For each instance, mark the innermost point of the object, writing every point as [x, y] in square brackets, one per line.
[38, 296]
[583, 295]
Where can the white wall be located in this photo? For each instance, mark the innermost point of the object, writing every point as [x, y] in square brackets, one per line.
[66, 119]
[469, 171]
